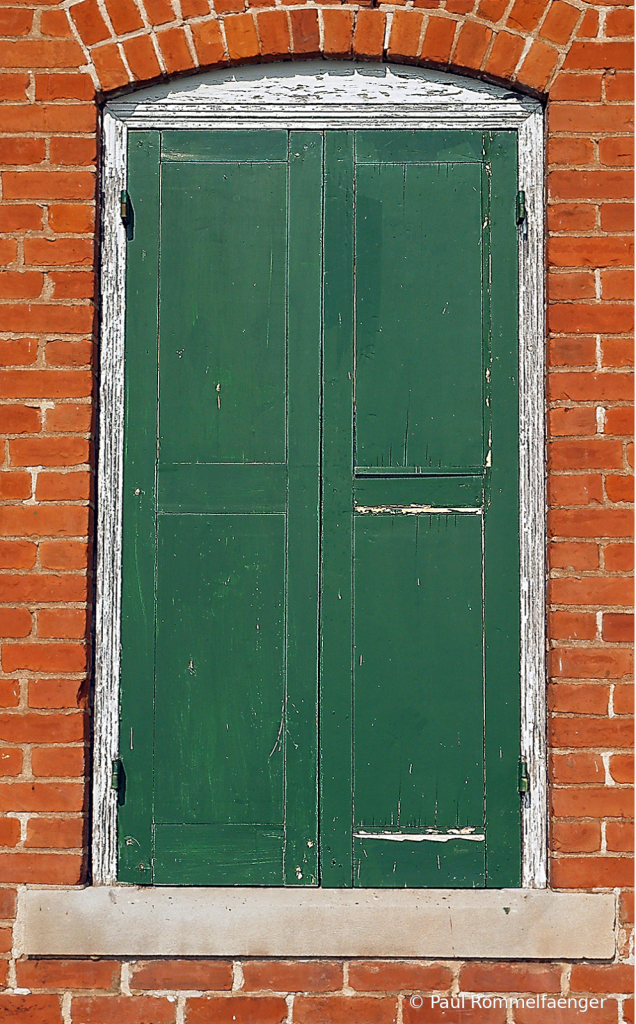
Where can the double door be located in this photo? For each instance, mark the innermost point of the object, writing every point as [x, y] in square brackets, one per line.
[320, 626]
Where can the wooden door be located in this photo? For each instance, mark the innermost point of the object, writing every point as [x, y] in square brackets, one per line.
[320, 636]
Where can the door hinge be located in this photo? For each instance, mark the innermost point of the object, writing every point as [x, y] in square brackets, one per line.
[117, 774]
[524, 778]
[521, 207]
[125, 207]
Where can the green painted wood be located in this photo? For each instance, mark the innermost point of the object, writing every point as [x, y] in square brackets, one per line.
[501, 544]
[220, 689]
[138, 555]
[219, 855]
[255, 487]
[450, 492]
[303, 537]
[223, 313]
[418, 316]
[457, 863]
[337, 515]
[437, 147]
[418, 681]
[249, 146]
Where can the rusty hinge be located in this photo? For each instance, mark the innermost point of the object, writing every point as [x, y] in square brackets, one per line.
[117, 774]
[521, 211]
[125, 207]
[524, 778]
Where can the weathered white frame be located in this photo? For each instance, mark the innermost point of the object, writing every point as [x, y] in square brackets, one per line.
[323, 95]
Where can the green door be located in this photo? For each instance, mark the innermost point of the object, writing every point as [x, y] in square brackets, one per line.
[320, 629]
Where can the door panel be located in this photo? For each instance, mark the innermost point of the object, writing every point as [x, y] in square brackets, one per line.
[320, 510]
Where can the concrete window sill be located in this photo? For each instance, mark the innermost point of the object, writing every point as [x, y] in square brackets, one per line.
[175, 922]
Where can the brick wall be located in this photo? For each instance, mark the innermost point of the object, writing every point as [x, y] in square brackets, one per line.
[56, 64]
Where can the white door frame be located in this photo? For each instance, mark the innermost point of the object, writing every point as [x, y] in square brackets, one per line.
[323, 95]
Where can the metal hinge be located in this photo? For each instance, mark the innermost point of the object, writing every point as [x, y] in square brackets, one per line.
[125, 207]
[524, 778]
[521, 207]
[117, 774]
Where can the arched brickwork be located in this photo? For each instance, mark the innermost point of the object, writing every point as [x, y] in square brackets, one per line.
[56, 63]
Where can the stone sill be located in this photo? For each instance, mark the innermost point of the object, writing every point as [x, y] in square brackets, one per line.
[126, 921]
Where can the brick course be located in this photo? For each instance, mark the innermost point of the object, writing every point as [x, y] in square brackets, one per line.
[56, 63]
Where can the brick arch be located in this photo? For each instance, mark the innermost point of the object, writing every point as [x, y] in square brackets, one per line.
[523, 42]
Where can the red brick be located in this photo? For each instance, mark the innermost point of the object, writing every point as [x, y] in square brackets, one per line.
[575, 184]
[241, 1010]
[589, 55]
[619, 85]
[446, 1014]
[617, 352]
[619, 23]
[41, 869]
[590, 663]
[21, 284]
[57, 693]
[174, 49]
[590, 387]
[7, 904]
[404, 41]
[376, 976]
[538, 65]
[588, 873]
[15, 486]
[15, 622]
[559, 23]
[67, 974]
[42, 588]
[620, 488]
[74, 419]
[368, 37]
[600, 318]
[438, 40]
[77, 284]
[592, 802]
[29, 1009]
[10, 764]
[571, 286]
[570, 422]
[9, 836]
[305, 32]
[573, 556]
[34, 728]
[90, 24]
[601, 978]
[8, 251]
[273, 32]
[526, 14]
[58, 762]
[63, 554]
[159, 12]
[63, 486]
[40, 796]
[338, 25]
[79, 152]
[76, 86]
[564, 1014]
[619, 558]
[622, 765]
[44, 657]
[620, 839]
[21, 218]
[57, 833]
[76, 218]
[195, 8]
[589, 26]
[617, 284]
[344, 1010]
[577, 768]
[46, 451]
[20, 352]
[56, 23]
[578, 699]
[471, 45]
[200, 975]
[17, 554]
[618, 628]
[490, 977]
[578, 87]
[35, 53]
[582, 489]
[617, 152]
[242, 41]
[141, 57]
[50, 318]
[208, 43]
[600, 453]
[54, 252]
[13, 87]
[492, 10]
[124, 15]
[570, 626]
[62, 623]
[22, 151]
[571, 351]
[591, 523]
[575, 836]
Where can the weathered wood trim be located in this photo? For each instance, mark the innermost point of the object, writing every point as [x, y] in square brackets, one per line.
[532, 505]
[322, 94]
[109, 503]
